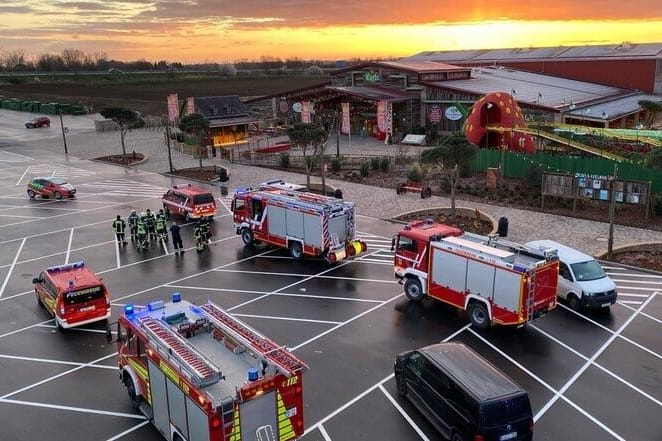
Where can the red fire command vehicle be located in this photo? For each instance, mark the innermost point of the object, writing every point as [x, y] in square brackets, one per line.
[496, 281]
[189, 201]
[73, 294]
[304, 223]
[199, 374]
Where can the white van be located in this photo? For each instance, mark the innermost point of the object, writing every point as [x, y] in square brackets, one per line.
[582, 281]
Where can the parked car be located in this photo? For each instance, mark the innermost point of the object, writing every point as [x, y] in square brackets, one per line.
[50, 187]
[190, 201]
[40, 121]
[582, 281]
[463, 395]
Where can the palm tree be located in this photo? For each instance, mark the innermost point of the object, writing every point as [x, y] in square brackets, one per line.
[195, 124]
[310, 138]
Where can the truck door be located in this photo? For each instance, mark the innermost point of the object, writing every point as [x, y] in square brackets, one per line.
[406, 250]
[239, 208]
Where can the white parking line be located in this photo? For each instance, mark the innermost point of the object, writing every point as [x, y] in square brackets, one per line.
[127, 431]
[53, 377]
[598, 365]
[52, 361]
[282, 294]
[323, 432]
[370, 389]
[641, 313]
[74, 409]
[22, 176]
[550, 388]
[71, 236]
[11, 268]
[404, 414]
[293, 319]
[591, 360]
[647, 282]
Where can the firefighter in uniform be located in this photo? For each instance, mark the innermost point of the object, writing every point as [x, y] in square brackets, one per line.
[161, 231]
[119, 226]
[204, 228]
[176, 238]
[141, 230]
[133, 220]
[150, 223]
[200, 241]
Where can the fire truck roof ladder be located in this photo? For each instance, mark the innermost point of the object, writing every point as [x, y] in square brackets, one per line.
[264, 348]
[294, 198]
[202, 371]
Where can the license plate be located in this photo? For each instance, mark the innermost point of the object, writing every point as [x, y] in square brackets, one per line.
[510, 435]
[87, 308]
[604, 305]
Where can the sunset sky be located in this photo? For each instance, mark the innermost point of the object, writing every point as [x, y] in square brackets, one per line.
[227, 30]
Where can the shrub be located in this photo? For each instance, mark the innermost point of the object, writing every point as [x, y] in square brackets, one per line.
[284, 160]
[384, 164]
[336, 164]
[415, 173]
[656, 204]
[365, 169]
[533, 176]
[374, 163]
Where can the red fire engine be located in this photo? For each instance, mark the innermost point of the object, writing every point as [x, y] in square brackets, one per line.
[496, 281]
[304, 223]
[199, 374]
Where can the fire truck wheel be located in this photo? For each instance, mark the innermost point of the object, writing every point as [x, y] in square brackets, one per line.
[247, 237]
[31, 194]
[131, 390]
[478, 315]
[414, 290]
[457, 437]
[296, 251]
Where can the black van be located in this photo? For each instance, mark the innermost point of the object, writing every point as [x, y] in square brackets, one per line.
[463, 395]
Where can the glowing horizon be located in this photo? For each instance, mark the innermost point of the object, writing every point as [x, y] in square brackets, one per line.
[191, 31]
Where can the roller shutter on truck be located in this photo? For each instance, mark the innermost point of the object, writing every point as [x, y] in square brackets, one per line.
[458, 273]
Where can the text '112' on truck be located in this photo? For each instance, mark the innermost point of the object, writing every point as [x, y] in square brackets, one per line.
[199, 374]
[306, 224]
[494, 280]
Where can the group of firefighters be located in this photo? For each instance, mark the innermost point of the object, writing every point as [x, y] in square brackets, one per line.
[148, 227]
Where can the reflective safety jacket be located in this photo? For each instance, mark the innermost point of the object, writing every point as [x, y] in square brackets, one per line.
[141, 228]
[160, 224]
[119, 225]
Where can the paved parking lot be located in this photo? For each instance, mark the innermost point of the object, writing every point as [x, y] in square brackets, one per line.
[590, 376]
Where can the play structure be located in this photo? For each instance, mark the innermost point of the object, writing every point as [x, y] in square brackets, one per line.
[496, 121]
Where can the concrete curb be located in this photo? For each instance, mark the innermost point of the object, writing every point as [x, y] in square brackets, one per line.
[445, 210]
[602, 257]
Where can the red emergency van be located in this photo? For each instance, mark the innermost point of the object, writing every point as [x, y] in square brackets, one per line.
[189, 201]
[73, 294]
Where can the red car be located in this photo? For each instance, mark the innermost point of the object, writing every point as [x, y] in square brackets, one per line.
[47, 187]
[41, 121]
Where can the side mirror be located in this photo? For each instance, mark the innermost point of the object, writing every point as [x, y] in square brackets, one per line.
[109, 335]
[393, 244]
[36, 280]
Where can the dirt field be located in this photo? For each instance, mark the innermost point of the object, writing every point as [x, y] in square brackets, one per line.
[147, 95]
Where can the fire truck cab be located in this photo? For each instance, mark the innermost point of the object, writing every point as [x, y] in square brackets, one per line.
[190, 202]
[496, 281]
[199, 374]
[73, 294]
[306, 224]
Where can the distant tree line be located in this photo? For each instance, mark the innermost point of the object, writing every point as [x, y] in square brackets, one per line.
[75, 60]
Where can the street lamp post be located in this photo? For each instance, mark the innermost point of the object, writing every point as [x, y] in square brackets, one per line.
[64, 138]
[612, 212]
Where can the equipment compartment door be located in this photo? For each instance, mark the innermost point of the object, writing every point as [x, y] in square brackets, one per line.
[157, 384]
[258, 419]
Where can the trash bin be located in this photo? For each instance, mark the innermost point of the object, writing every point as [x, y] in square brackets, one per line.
[502, 229]
[223, 174]
[337, 193]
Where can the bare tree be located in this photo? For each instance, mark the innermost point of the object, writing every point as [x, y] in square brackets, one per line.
[73, 59]
[123, 117]
[13, 59]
